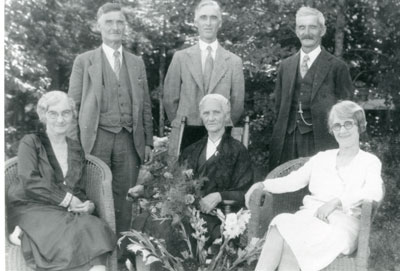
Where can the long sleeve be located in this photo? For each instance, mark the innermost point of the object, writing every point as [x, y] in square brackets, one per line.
[172, 88]
[344, 86]
[370, 188]
[242, 178]
[147, 115]
[294, 181]
[37, 176]
[75, 92]
[237, 91]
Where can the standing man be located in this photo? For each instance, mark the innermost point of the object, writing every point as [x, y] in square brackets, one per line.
[307, 85]
[199, 70]
[109, 86]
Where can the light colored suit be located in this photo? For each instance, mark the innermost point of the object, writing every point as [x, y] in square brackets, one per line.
[184, 87]
[85, 87]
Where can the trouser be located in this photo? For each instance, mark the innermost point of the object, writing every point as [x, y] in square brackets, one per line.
[119, 153]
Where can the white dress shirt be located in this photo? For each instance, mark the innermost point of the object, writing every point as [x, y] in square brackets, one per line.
[203, 49]
[312, 56]
[109, 52]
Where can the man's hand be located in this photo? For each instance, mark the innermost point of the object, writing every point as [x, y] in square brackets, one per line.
[148, 155]
[255, 186]
[85, 207]
[209, 202]
[325, 210]
[74, 203]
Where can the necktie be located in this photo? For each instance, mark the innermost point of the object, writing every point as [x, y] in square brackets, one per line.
[208, 68]
[304, 66]
[117, 63]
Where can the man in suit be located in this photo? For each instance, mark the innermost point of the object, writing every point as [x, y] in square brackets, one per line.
[109, 87]
[199, 70]
[307, 85]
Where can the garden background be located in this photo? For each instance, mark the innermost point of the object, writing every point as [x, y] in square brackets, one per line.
[42, 38]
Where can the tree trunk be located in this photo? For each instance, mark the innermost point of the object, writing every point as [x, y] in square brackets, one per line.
[339, 28]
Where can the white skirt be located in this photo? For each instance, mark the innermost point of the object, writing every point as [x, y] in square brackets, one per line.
[314, 242]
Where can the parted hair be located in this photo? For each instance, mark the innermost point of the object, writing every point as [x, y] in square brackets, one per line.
[108, 7]
[348, 110]
[224, 102]
[207, 3]
[51, 98]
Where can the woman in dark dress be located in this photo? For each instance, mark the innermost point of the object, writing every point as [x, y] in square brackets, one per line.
[48, 204]
[222, 159]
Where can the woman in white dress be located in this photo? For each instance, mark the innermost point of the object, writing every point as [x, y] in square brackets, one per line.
[339, 180]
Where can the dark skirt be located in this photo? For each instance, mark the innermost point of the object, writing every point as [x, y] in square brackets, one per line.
[55, 239]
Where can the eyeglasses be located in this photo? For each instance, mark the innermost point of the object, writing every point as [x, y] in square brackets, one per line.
[66, 114]
[347, 125]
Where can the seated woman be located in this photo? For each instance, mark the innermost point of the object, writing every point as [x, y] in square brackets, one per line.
[48, 203]
[339, 180]
[219, 157]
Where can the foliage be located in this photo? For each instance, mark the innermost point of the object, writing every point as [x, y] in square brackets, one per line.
[171, 196]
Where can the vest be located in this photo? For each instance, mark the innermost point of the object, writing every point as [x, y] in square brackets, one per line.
[302, 94]
[116, 101]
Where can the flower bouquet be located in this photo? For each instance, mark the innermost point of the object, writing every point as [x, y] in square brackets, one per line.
[170, 195]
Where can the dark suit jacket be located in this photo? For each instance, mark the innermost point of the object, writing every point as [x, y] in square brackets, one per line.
[85, 87]
[183, 87]
[332, 82]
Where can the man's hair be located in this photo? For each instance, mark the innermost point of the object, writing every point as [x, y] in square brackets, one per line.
[307, 11]
[348, 110]
[207, 3]
[108, 7]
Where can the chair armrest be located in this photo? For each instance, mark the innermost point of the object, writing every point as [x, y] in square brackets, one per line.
[260, 205]
[367, 209]
[97, 176]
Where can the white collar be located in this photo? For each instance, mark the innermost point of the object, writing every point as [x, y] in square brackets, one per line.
[203, 46]
[212, 147]
[109, 52]
[313, 55]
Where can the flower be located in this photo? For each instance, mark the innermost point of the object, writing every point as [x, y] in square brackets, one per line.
[235, 224]
[168, 175]
[188, 173]
[189, 199]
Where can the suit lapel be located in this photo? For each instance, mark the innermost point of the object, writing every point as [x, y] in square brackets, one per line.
[133, 71]
[292, 71]
[220, 67]
[95, 73]
[194, 65]
[322, 63]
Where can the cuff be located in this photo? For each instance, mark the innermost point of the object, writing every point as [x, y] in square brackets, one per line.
[67, 200]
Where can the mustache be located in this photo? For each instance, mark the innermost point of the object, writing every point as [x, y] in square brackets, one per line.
[307, 37]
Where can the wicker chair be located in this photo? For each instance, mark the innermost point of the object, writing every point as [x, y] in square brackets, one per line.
[264, 206]
[97, 176]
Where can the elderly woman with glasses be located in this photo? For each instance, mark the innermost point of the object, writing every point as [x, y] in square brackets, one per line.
[48, 207]
[339, 180]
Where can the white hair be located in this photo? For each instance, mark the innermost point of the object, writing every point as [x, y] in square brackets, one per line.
[307, 11]
[51, 98]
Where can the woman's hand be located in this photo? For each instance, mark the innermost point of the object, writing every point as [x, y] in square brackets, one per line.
[325, 210]
[85, 207]
[255, 186]
[209, 202]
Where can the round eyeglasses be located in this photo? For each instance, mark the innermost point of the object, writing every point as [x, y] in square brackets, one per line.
[347, 125]
[66, 114]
